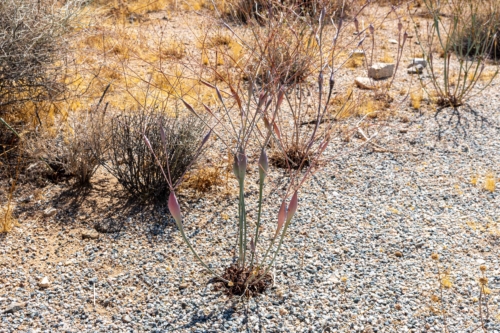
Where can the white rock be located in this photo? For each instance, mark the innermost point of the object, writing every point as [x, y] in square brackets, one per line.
[418, 61]
[418, 69]
[393, 41]
[49, 212]
[14, 307]
[364, 83]
[358, 54]
[44, 283]
[381, 70]
[126, 319]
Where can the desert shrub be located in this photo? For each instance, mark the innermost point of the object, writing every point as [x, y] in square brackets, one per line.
[133, 164]
[463, 63]
[245, 11]
[85, 145]
[32, 45]
[74, 149]
[481, 33]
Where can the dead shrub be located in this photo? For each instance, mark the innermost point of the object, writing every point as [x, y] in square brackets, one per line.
[244, 11]
[131, 161]
[32, 47]
[75, 150]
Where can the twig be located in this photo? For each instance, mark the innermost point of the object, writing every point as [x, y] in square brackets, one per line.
[381, 149]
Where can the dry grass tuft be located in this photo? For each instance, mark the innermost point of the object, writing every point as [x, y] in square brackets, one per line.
[490, 182]
[204, 179]
[7, 221]
[174, 50]
[354, 62]
[416, 99]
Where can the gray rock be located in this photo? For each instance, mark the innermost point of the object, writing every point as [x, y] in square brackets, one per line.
[418, 61]
[364, 83]
[381, 71]
[418, 69]
[90, 234]
[49, 212]
[14, 307]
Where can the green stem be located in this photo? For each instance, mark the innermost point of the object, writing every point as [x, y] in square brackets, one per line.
[9, 127]
[186, 240]
[240, 222]
[275, 255]
[244, 219]
[261, 187]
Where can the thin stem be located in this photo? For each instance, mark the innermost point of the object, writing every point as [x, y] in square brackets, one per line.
[186, 240]
[261, 187]
[9, 127]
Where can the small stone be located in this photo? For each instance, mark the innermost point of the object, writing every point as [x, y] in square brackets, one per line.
[418, 61]
[108, 226]
[283, 312]
[14, 307]
[364, 83]
[398, 254]
[392, 41]
[44, 283]
[368, 329]
[183, 286]
[418, 69]
[90, 234]
[69, 262]
[381, 71]
[49, 212]
[358, 54]
[126, 319]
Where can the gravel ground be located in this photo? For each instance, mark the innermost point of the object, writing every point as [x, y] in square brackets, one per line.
[357, 259]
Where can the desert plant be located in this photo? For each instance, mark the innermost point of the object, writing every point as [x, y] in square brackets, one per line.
[246, 118]
[31, 50]
[245, 11]
[7, 221]
[481, 33]
[130, 160]
[77, 146]
[463, 61]
[86, 143]
[445, 283]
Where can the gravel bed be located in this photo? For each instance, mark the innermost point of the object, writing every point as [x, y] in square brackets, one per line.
[357, 258]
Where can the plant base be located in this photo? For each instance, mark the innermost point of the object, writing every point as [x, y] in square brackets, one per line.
[239, 277]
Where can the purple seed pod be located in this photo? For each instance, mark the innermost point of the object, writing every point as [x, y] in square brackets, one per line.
[292, 207]
[263, 165]
[281, 217]
[174, 208]
[240, 165]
